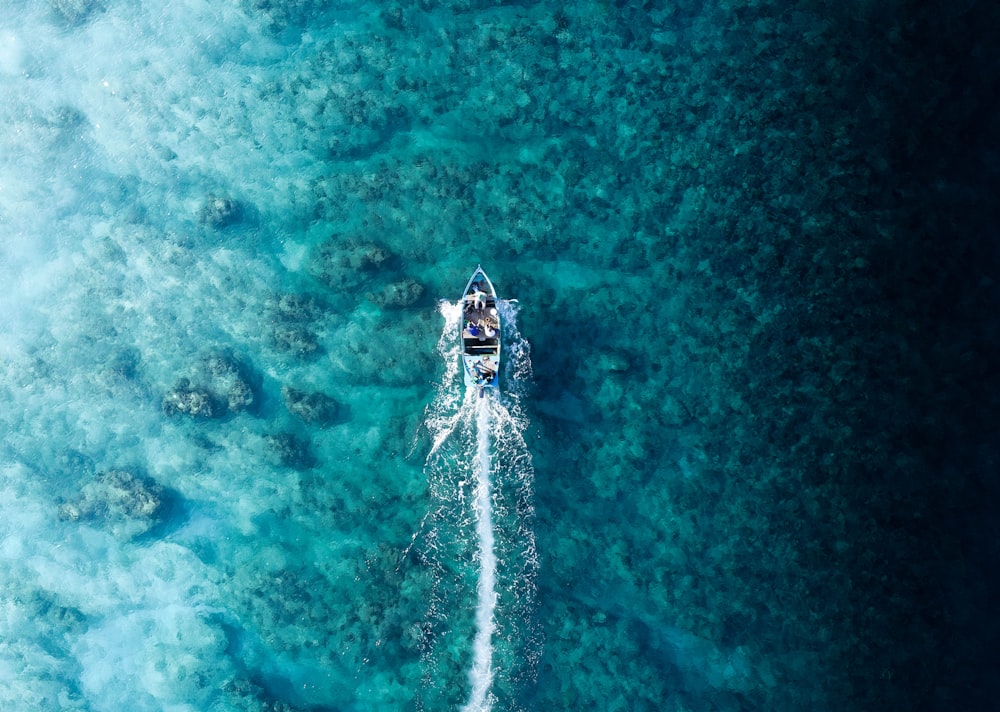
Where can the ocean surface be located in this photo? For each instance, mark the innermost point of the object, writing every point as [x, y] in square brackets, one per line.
[744, 455]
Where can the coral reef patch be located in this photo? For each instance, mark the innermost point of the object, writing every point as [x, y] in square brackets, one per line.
[223, 385]
[311, 407]
[218, 212]
[124, 502]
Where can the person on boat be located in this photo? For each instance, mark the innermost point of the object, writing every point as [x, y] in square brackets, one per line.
[478, 297]
[490, 331]
[473, 329]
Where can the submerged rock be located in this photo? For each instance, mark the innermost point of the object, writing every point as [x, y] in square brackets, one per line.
[191, 400]
[230, 378]
[239, 397]
[219, 212]
[288, 450]
[127, 503]
[225, 385]
[342, 263]
[289, 316]
[296, 340]
[317, 408]
[403, 293]
[294, 307]
[366, 256]
[244, 694]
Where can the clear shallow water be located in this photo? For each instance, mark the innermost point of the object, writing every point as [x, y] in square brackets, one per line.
[742, 469]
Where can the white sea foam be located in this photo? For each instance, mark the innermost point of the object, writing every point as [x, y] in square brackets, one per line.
[11, 53]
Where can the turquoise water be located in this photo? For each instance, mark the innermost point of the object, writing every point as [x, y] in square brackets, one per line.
[744, 453]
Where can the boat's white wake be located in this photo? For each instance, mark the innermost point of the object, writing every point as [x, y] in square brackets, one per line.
[481, 673]
[479, 539]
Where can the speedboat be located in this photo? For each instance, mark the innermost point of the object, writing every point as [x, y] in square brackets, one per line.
[480, 333]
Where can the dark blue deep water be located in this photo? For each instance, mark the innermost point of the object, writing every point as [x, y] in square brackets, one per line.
[745, 455]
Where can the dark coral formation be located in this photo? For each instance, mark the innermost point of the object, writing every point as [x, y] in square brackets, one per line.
[341, 263]
[289, 450]
[312, 407]
[404, 293]
[294, 307]
[231, 379]
[292, 318]
[295, 339]
[127, 503]
[225, 385]
[243, 695]
[196, 401]
[345, 265]
[219, 212]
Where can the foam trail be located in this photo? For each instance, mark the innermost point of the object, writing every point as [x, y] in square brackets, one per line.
[481, 673]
